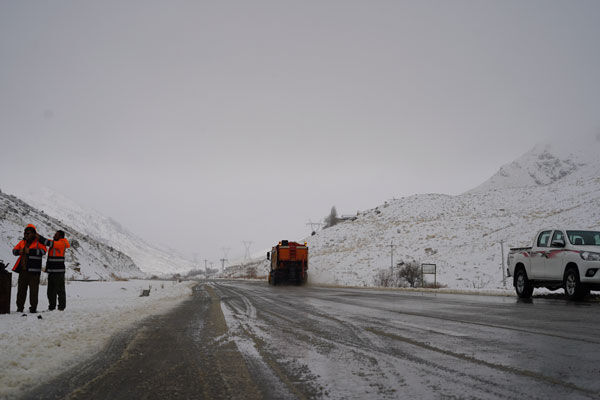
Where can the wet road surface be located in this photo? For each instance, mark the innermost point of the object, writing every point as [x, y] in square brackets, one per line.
[247, 340]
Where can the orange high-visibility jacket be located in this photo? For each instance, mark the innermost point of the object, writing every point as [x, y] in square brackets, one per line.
[34, 258]
[56, 254]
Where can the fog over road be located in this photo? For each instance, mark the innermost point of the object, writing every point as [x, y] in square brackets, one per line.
[236, 339]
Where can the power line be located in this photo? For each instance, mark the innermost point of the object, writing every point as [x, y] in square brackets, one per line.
[314, 226]
[247, 245]
[225, 250]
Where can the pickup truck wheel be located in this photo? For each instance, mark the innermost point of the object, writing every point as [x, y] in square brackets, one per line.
[574, 290]
[523, 286]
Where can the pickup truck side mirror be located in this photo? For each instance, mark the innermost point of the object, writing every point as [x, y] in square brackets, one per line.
[268, 255]
[558, 243]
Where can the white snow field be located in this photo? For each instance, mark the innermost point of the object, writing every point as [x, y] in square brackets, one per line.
[551, 186]
[35, 350]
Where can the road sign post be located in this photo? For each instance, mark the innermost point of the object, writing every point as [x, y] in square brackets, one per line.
[429, 269]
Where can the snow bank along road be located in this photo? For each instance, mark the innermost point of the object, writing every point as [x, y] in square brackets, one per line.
[36, 347]
[248, 340]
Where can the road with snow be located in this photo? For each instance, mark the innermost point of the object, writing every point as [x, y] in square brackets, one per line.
[248, 340]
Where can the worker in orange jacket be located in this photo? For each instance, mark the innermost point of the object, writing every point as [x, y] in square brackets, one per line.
[55, 268]
[29, 268]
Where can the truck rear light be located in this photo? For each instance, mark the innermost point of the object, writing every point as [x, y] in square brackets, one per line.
[591, 272]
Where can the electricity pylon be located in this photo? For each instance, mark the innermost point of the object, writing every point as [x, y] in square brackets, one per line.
[247, 244]
[314, 225]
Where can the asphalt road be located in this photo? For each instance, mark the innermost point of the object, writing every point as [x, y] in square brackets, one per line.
[247, 340]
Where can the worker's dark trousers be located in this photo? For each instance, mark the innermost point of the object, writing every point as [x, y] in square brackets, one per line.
[29, 280]
[56, 288]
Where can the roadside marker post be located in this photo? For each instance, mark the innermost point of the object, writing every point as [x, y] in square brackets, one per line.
[502, 265]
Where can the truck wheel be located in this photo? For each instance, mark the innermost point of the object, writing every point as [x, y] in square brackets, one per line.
[574, 290]
[270, 278]
[523, 286]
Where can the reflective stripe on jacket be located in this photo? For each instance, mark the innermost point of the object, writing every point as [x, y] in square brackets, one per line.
[34, 258]
[56, 254]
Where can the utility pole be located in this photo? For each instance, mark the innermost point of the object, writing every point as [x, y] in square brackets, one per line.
[502, 265]
[223, 264]
[392, 255]
[225, 251]
[205, 261]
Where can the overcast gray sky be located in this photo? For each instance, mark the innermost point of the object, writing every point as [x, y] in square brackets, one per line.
[199, 124]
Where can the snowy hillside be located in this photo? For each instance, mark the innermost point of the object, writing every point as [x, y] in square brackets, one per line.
[87, 258]
[147, 257]
[543, 165]
[546, 187]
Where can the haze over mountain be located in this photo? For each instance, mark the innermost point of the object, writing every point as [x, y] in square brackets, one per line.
[88, 258]
[552, 185]
[545, 164]
[149, 258]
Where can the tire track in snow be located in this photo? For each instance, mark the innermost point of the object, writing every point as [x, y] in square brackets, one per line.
[499, 367]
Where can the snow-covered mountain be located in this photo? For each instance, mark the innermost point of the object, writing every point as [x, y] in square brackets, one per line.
[87, 258]
[543, 165]
[549, 186]
[148, 258]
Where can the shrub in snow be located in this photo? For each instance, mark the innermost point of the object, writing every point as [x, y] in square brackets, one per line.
[405, 275]
[411, 273]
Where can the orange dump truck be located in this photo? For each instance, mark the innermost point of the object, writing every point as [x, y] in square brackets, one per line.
[289, 262]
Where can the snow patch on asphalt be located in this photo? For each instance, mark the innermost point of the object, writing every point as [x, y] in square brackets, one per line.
[247, 347]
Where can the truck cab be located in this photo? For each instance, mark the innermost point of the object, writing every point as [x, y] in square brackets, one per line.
[557, 258]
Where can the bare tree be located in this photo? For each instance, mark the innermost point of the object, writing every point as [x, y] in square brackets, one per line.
[411, 273]
[383, 278]
[332, 219]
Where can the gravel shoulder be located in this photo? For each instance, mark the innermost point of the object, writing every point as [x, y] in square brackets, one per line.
[181, 354]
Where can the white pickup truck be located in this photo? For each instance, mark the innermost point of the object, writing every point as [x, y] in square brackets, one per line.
[558, 258]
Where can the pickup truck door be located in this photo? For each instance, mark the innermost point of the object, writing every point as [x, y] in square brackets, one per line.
[538, 256]
[555, 260]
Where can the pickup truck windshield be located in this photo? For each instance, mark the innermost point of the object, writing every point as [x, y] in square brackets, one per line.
[584, 238]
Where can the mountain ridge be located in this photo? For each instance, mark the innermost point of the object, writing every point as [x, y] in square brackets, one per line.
[544, 164]
[86, 259]
[149, 258]
[466, 235]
